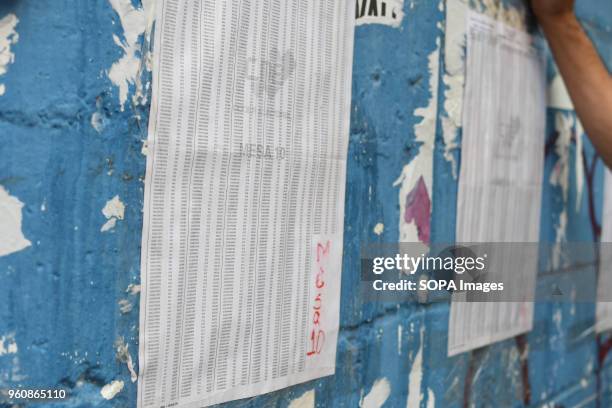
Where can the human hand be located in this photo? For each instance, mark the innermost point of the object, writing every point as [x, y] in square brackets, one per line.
[546, 9]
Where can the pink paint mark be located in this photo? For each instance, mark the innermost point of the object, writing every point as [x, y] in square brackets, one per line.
[418, 210]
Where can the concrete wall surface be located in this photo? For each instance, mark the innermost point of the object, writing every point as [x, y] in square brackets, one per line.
[74, 100]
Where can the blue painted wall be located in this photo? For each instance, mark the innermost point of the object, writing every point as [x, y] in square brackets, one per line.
[62, 297]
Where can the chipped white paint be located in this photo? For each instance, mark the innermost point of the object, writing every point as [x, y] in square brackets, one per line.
[125, 306]
[579, 164]
[114, 210]
[149, 12]
[133, 289]
[379, 228]
[11, 371]
[425, 130]
[109, 391]
[370, 12]
[8, 37]
[560, 237]
[130, 366]
[125, 71]
[306, 400]
[559, 176]
[109, 225]
[422, 164]
[416, 376]
[149, 7]
[431, 398]
[8, 345]
[588, 368]
[454, 76]
[378, 395]
[400, 330]
[12, 238]
[97, 121]
[558, 319]
[451, 120]
[558, 97]
[123, 355]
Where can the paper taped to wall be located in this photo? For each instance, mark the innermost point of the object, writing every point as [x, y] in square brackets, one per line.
[604, 286]
[244, 198]
[500, 185]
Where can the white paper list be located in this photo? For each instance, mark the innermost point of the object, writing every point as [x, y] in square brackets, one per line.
[244, 198]
[500, 184]
[604, 287]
